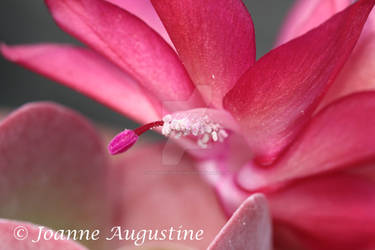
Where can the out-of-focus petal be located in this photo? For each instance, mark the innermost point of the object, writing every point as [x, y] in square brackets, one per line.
[158, 246]
[248, 228]
[146, 12]
[330, 212]
[342, 135]
[53, 170]
[128, 42]
[229, 194]
[214, 39]
[275, 99]
[308, 14]
[158, 196]
[89, 73]
[10, 228]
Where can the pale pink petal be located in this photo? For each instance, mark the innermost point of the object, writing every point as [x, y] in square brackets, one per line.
[330, 212]
[158, 246]
[248, 228]
[144, 10]
[308, 14]
[128, 42]
[158, 196]
[275, 99]
[214, 39]
[342, 135]
[10, 229]
[229, 194]
[53, 169]
[88, 73]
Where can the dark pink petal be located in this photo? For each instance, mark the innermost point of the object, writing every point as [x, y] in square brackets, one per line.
[214, 39]
[89, 73]
[158, 196]
[248, 228]
[366, 171]
[8, 228]
[341, 135]
[358, 73]
[308, 14]
[128, 42]
[53, 170]
[331, 212]
[276, 97]
[144, 10]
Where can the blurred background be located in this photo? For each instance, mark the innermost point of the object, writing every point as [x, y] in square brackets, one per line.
[28, 21]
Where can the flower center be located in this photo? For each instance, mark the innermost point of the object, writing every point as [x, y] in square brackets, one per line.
[177, 125]
[201, 127]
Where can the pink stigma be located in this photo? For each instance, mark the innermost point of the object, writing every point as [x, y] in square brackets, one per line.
[127, 138]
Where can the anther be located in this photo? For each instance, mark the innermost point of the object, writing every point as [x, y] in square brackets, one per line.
[201, 127]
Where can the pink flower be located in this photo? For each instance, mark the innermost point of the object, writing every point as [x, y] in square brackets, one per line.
[295, 125]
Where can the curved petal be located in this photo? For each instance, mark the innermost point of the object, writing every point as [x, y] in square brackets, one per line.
[53, 169]
[144, 10]
[128, 42]
[331, 212]
[341, 135]
[229, 194]
[277, 96]
[8, 228]
[248, 228]
[214, 39]
[308, 14]
[358, 73]
[89, 73]
[158, 196]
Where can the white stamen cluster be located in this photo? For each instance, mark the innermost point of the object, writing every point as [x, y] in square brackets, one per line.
[206, 130]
